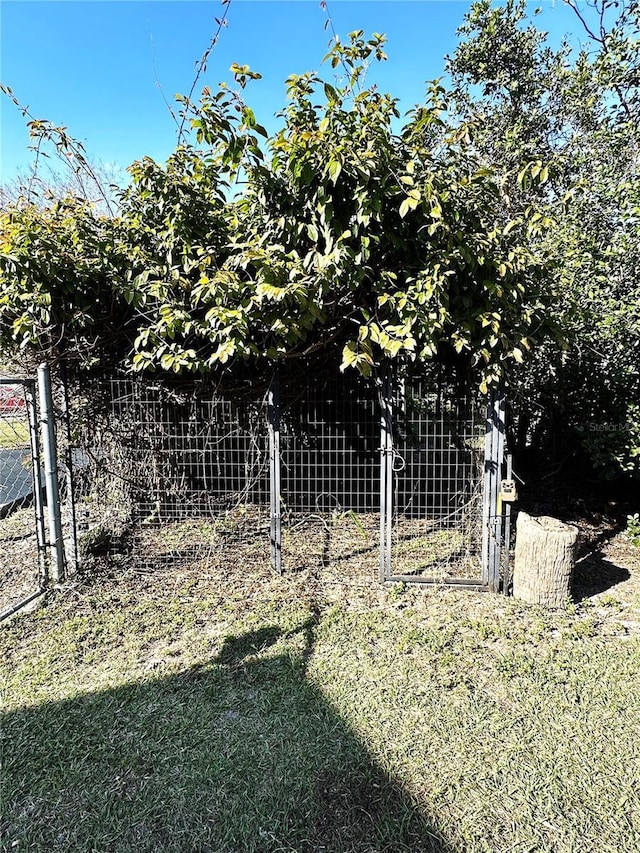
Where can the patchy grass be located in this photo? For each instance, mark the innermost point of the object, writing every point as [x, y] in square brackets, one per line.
[217, 707]
[14, 433]
[19, 566]
[17, 525]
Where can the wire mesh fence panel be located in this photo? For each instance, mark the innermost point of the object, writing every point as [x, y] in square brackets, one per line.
[293, 472]
[330, 475]
[165, 475]
[437, 464]
[23, 568]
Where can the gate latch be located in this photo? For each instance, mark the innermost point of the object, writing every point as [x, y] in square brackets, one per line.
[508, 491]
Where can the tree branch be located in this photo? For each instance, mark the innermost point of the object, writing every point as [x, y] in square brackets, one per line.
[602, 41]
[202, 65]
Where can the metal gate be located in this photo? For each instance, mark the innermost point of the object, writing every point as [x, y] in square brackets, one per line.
[31, 529]
[442, 448]
[325, 475]
[23, 573]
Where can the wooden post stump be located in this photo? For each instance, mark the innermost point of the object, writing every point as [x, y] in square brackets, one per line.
[544, 560]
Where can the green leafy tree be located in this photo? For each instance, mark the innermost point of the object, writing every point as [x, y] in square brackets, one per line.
[61, 275]
[574, 118]
[336, 234]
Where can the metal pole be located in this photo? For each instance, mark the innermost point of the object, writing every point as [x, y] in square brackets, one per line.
[499, 540]
[47, 420]
[486, 491]
[495, 473]
[493, 458]
[273, 408]
[507, 532]
[30, 396]
[71, 496]
[15, 608]
[386, 477]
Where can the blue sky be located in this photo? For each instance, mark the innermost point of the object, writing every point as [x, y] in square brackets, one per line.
[95, 66]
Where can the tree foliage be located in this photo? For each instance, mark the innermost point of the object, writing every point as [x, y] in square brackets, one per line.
[577, 115]
[336, 233]
[60, 281]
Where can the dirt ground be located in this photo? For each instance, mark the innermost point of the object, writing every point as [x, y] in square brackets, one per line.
[340, 559]
[608, 573]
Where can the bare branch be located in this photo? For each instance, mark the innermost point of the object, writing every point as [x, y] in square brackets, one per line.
[159, 85]
[70, 151]
[573, 5]
[603, 41]
[202, 64]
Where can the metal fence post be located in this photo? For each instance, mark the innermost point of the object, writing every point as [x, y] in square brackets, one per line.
[72, 557]
[386, 476]
[493, 459]
[499, 408]
[47, 418]
[506, 544]
[273, 409]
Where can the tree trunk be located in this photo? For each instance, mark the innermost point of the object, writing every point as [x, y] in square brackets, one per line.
[544, 560]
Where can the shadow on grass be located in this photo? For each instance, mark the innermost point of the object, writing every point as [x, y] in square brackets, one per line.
[240, 754]
[594, 575]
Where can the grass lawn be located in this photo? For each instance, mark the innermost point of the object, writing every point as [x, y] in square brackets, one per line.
[227, 709]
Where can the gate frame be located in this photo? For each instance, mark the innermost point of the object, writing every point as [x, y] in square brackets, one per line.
[386, 478]
[492, 518]
[38, 486]
[275, 491]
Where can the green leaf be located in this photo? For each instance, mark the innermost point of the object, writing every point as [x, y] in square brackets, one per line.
[408, 204]
[522, 177]
[334, 168]
[349, 354]
[330, 92]
[248, 117]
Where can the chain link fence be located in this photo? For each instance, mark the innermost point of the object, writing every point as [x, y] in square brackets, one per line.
[23, 568]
